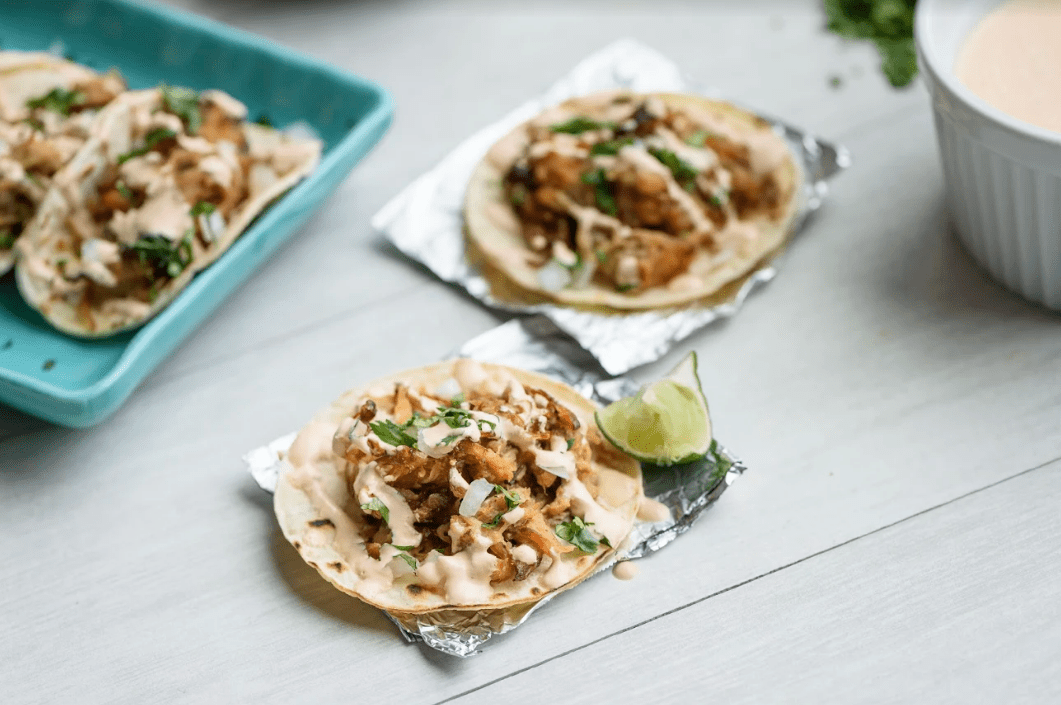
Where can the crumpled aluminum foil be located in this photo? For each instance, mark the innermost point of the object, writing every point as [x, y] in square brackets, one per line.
[425, 221]
[538, 345]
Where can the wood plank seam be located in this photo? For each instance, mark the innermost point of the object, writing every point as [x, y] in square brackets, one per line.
[753, 579]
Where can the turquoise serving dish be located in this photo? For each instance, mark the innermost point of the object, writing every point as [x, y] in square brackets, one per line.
[80, 382]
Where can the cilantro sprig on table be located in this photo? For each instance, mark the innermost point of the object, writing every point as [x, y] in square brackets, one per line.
[887, 23]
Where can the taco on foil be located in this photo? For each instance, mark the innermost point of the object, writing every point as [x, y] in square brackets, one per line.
[47, 106]
[631, 201]
[168, 180]
[460, 493]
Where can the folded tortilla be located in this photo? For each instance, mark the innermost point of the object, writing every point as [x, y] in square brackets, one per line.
[486, 568]
[522, 267]
[148, 202]
[47, 105]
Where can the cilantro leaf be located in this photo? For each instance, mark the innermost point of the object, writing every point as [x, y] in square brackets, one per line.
[576, 532]
[392, 433]
[184, 103]
[601, 191]
[203, 208]
[124, 190]
[165, 257]
[409, 560]
[512, 499]
[887, 23]
[570, 443]
[495, 522]
[578, 125]
[683, 172]
[898, 60]
[403, 548]
[58, 100]
[610, 147]
[698, 138]
[151, 140]
[457, 400]
[377, 505]
[7, 239]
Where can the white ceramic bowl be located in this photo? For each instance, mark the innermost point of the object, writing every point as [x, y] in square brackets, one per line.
[1003, 175]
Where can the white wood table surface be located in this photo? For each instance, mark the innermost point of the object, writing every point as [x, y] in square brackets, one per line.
[897, 538]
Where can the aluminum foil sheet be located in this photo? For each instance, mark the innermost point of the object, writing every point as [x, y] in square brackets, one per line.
[539, 345]
[425, 222]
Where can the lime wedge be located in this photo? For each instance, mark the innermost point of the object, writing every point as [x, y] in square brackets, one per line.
[665, 423]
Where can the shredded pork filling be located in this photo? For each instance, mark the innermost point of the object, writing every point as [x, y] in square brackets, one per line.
[630, 201]
[519, 442]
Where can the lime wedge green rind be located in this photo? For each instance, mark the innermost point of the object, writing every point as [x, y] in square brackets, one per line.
[665, 423]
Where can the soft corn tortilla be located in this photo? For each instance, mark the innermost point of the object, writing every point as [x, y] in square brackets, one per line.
[493, 229]
[47, 240]
[28, 75]
[312, 498]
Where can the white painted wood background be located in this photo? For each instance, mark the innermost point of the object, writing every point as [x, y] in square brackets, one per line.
[897, 538]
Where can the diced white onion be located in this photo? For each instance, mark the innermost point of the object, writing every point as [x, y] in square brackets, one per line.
[448, 389]
[556, 470]
[477, 493]
[554, 276]
[300, 130]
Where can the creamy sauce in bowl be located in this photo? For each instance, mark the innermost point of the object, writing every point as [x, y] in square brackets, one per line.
[1012, 60]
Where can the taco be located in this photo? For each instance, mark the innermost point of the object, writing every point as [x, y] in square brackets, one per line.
[47, 106]
[631, 201]
[167, 182]
[458, 493]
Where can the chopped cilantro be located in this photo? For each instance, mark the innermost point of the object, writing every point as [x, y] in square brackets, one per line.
[457, 400]
[7, 239]
[376, 505]
[601, 190]
[683, 173]
[34, 123]
[623, 288]
[604, 540]
[392, 433]
[151, 140]
[570, 443]
[403, 548]
[578, 125]
[124, 190]
[887, 23]
[610, 147]
[512, 499]
[452, 416]
[602, 256]
[264, 120]
[495, 522]
[58, 100]
[184, 103]
[409, 560]
[576, 532]
[698, 138]
[165, 257]
[203, 208]
[719, 198]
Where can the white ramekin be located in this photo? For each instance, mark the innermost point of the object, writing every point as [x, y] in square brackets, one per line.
[1003, 175]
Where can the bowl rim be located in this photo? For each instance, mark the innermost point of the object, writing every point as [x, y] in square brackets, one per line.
[927, 13]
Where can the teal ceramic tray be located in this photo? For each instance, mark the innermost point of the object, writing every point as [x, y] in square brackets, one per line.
[76, 382]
